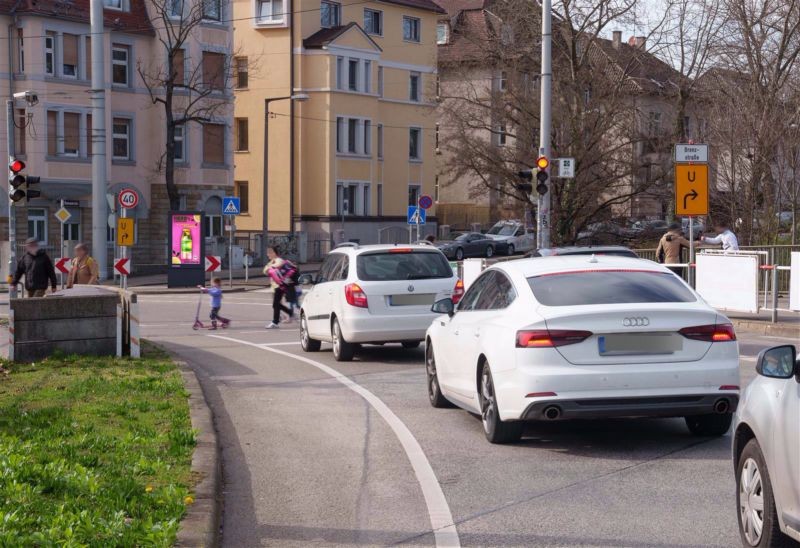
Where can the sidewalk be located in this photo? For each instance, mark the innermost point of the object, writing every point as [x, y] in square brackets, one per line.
[788, 322]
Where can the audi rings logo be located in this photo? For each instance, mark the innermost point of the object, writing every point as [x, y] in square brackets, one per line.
[636, 321]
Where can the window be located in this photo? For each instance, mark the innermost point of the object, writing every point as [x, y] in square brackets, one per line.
[69, 66]
[241, 72]
[52, 133]
[179, 67]
[180, 144]
[352, 199]
[122, 139]
[411, 29]
[498, 293]
[500, 131]
[373, 21]
[436, 188]
[414, 144]
[241, 135]
[352, 135]
[20, 51]
[387, 266]
[379, 199]
[442, 33]
[436, 138]
[414, 192]
[340, 73]
[687, 133]
[37, 224]
[88, 48]
[587, 96]
[213, 226]
[71, 231]
[214, 144]
[49, 53]
[598, 287]
[212, 9]
[380, 81]
[242, 190]
[113, 4]
[72, 133]
[380, 142]
[503, 83]
[175, 8]
[120, 68]
[213, 70]
[413, 87]
[472, 295]
[330, 14]
[367, 137]
[270, 11]
[654, 123]
[367, 77]
[352, 74]
[19, 132]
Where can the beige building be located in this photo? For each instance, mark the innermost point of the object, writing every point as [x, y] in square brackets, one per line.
[357, 145]
[49, 50]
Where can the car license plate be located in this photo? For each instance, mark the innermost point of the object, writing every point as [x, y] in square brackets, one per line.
[639, 343]
[415, 299]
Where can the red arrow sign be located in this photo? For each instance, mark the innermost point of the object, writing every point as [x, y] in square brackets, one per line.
[123, 266]
[61, 265]
[213, 263]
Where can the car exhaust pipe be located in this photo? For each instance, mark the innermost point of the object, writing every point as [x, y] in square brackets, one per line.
[552, 413]
[721, 406]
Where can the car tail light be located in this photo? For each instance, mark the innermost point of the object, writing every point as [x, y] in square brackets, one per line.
[458, 291]
[548, 338]
[355, 296]
[721, 332]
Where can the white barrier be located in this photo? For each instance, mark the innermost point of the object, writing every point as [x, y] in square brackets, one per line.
[794, 283]
[471, 269]
[728, 282]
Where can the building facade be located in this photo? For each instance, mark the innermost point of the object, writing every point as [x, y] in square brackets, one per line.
[356, 145]
[49, 52]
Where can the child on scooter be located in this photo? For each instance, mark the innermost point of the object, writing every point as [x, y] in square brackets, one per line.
[215, 292]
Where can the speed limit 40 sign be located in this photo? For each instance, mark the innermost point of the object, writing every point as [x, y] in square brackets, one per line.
[128, 198]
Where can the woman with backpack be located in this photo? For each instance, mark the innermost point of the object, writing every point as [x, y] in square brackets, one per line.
[281, 274]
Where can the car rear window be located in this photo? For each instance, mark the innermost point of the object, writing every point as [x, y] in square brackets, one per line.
[609, 287]
[402, 265]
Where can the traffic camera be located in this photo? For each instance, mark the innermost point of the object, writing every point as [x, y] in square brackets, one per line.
[19, 184]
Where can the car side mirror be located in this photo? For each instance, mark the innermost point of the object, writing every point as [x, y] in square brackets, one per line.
[444, 306]
[306, 279]
[778, 362]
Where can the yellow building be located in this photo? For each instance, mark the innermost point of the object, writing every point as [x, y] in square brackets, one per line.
[361, 127]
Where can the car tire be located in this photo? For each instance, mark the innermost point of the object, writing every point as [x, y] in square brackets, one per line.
[306, 342]
[753, 482]
[410, 345]
[496, 430]
[343, 351]
[489, 251]
[511, 249]
[713, 425]
[459, 254]
[434, 390]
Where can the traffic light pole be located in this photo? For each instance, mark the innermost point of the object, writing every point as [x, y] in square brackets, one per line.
[12, 218]
[99, 188]
[545, 122]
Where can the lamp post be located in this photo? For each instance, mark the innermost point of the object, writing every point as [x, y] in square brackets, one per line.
[265, 196]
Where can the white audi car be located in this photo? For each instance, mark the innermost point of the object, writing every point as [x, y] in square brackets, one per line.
[766, 451]
[580, 337]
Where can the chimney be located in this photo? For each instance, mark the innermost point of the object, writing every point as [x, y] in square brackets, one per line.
[640, 41]
[616, 39]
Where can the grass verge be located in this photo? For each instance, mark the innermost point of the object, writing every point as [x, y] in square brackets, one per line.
[94, 452]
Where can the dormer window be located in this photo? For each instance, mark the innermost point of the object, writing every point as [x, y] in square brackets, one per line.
[330, 14]
[442, 33]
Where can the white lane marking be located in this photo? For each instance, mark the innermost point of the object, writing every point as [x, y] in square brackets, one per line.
[265, 345]
[444, 530]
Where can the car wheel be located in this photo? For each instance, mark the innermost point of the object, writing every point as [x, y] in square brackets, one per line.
[511, 249]
[709, 425]
[495, 429]
[342, 350]
[489, 251]
[758, 516]
[434, 391]
[306, 342]
[459, 254]
[409, 345]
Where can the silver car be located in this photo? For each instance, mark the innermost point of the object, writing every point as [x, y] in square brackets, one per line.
[766, 451]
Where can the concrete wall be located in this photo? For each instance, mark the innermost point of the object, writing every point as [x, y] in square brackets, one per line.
[74, 325]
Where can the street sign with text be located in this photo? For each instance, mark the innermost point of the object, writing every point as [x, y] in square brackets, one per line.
[691, 153]
[128, 198]
[691, 189]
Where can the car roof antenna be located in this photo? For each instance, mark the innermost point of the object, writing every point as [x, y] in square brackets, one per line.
[593, 258]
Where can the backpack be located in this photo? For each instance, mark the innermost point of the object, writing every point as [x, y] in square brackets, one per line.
[289, 272]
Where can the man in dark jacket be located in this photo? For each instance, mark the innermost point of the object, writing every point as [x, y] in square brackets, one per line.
[37, 268]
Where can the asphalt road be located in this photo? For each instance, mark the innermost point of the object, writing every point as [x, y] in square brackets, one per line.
[317, 452]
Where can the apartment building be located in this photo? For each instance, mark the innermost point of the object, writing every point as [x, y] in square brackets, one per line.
[49, 51]
[356, 144]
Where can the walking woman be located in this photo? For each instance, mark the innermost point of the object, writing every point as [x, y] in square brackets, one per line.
[84, 269]
[279, 286]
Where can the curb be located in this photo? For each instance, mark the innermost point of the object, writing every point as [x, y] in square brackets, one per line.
[766, 328]
[186, 291]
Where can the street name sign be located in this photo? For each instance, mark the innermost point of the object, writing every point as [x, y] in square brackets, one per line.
[691, 153]
[691, 189]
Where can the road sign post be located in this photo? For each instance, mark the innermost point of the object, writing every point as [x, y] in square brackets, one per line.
[231, 207]
[63, 215]
[128, 199]
[691, 188]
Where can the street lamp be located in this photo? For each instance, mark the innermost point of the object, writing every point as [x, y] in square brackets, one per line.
[265, 198]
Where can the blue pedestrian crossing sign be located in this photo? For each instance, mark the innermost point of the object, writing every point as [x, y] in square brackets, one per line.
[231, 205]
[416, 215]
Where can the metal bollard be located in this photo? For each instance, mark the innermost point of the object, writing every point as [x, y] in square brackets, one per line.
[774, 294]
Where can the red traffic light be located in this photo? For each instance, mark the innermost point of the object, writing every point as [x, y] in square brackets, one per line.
[16, 165]
[542, 162]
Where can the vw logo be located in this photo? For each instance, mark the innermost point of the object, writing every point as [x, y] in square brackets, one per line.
[410, 288]
[636, 321]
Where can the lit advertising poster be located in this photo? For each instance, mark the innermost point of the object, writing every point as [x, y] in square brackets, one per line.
[186, 239]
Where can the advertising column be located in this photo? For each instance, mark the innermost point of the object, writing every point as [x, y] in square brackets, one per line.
[186, 249]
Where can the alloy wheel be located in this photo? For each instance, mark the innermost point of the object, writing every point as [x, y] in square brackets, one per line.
[304, 331]
[487, 400]
[433, 381]
[751, 502]
[336, 338]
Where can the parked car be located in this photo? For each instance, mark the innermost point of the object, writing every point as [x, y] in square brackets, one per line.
[603, 233]
[514, 234]
[374, 294]
[471, 244]
[582, 337]
[649, 230]
[766, 451]
[698, 228]
[615, 250]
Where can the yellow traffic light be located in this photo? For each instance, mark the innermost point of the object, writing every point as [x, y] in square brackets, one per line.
[542, 162]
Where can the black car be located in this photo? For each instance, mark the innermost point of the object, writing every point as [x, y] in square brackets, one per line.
[471, 244]
[615, 250]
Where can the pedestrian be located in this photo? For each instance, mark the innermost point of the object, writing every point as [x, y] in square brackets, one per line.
[279, 285]
[430, 238]
[38, 269]
[724, 236]
[84, 270]
[670, 246]
[215, 292]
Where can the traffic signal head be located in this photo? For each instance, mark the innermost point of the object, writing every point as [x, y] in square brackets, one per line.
[525, 174]
[16, 182]
[541, 178]
[542, 162]
[15, 166]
